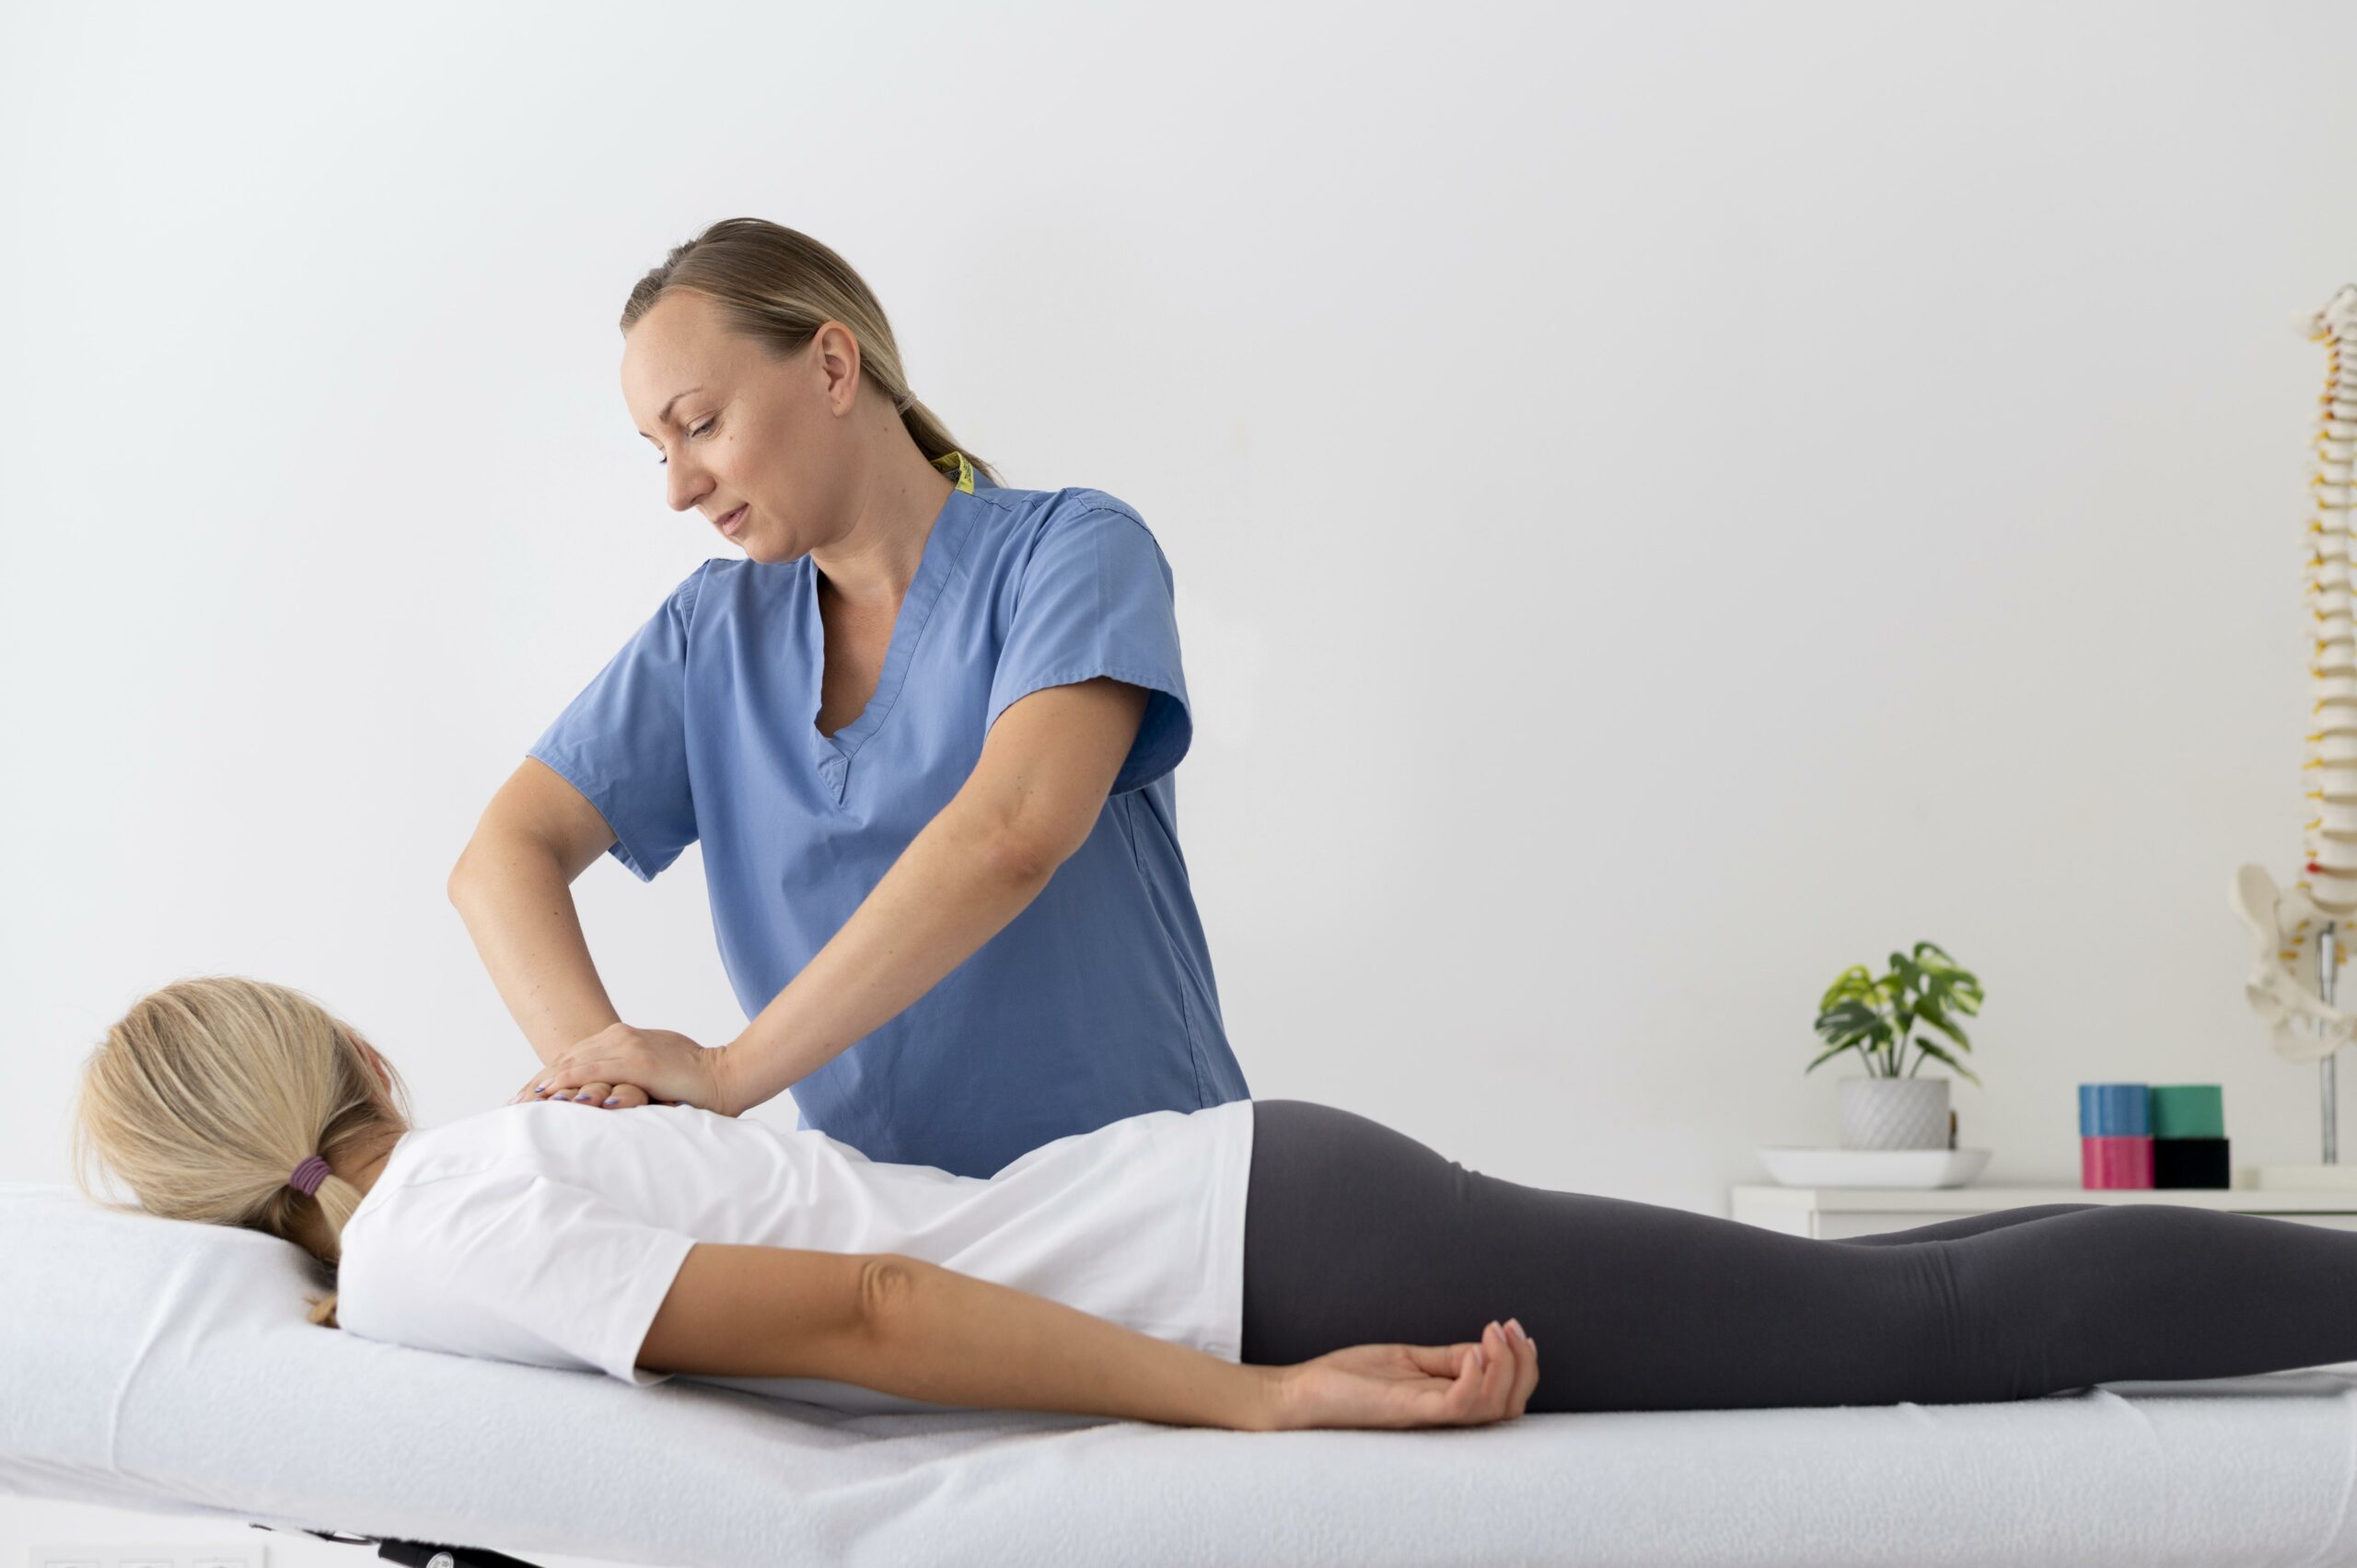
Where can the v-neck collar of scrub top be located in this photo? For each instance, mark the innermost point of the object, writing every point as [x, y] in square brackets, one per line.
[832, 754]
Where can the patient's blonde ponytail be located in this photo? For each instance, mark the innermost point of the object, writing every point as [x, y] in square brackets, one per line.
[208, 1093]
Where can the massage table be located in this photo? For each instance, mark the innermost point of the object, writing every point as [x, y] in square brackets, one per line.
[166, 1367]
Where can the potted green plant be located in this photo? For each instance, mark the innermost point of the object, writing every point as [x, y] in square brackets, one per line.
[1875, 1015]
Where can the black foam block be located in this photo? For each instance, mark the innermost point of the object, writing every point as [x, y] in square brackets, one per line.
[2189, 1162]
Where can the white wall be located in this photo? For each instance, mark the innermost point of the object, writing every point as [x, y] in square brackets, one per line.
[1668, 502]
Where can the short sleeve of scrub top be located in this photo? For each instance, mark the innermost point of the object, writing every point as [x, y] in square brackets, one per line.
[1096, 598]
[1096, 1001]
[622, 742]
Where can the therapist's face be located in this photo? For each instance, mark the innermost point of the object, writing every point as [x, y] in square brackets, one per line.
[743, 430]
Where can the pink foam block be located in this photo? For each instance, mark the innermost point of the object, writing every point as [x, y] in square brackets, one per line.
[2115, 1162]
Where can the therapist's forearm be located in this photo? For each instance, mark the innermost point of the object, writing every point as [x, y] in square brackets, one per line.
[955, 886]
[516, 904]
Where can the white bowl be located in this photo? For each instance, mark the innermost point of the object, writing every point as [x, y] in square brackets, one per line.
[1871, 1167]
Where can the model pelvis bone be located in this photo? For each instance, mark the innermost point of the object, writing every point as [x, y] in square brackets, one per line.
[2286, 964]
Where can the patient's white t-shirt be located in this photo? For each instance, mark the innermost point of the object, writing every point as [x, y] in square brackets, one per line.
[549, 1233]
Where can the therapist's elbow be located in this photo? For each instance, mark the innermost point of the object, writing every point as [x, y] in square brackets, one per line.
[500, 858]
[462, 873]
[1021, 853]
[450, 887]
[466, 875]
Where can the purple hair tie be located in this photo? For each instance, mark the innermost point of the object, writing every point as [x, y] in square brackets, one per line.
[308, 1175]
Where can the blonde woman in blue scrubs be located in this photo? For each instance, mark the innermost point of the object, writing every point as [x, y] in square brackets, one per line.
[923, 728]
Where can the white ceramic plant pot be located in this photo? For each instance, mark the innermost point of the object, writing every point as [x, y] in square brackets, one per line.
[1894, 1114]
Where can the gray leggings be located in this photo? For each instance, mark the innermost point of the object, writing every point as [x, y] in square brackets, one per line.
[1355, 1234]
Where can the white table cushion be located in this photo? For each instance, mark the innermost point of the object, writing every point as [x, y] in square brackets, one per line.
[158, 1365]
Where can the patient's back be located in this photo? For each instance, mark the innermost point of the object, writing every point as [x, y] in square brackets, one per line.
[548, 1232]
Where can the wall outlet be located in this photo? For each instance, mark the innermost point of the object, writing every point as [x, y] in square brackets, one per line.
[198, 1554]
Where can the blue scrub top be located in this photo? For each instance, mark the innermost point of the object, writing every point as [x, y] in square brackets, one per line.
[1096, 1002]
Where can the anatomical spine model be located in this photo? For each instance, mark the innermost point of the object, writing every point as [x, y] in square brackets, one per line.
[2288, 927]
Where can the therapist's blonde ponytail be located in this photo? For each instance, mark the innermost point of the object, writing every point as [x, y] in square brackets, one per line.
[205, 1095]
[778, 286]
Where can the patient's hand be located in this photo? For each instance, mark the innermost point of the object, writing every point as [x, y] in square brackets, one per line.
[1398, 1386]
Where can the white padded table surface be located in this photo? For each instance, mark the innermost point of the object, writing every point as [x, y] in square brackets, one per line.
[157, 1365]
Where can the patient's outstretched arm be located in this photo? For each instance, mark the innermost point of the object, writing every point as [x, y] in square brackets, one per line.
[911, 1328]
[907, 1327]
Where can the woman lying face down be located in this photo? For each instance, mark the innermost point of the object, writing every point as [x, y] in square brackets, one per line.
[1254, 1263]
[211, 1098]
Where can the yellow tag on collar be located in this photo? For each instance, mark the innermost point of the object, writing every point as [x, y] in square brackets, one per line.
[956, 465]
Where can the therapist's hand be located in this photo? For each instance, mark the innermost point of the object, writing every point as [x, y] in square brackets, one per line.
[624, 1096]
[663, 1066]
